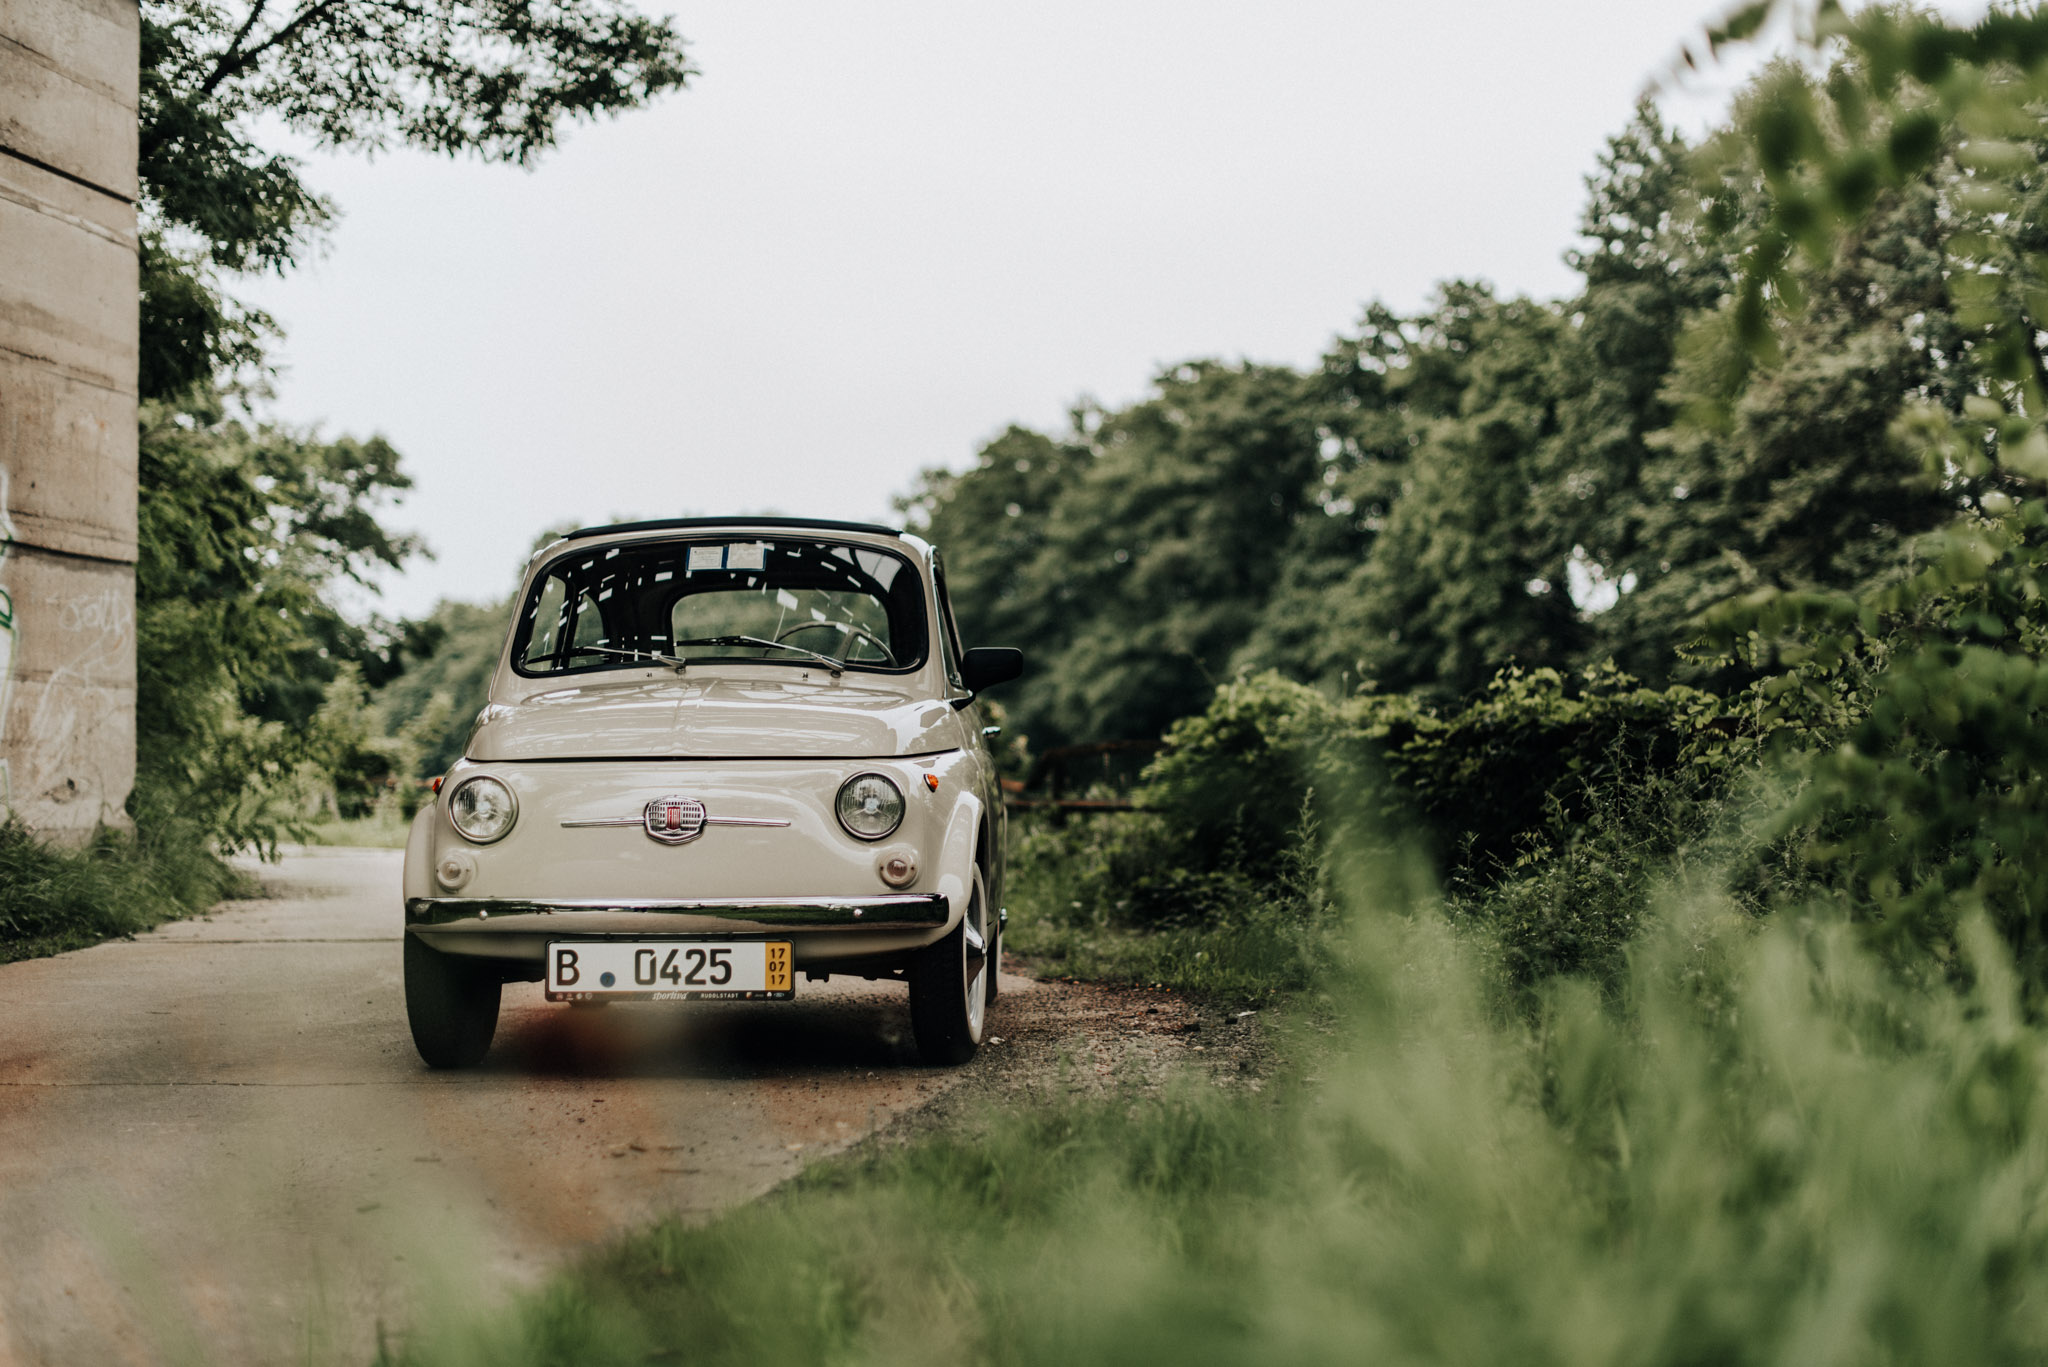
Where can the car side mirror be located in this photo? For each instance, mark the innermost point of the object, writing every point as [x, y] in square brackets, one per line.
[987, 666]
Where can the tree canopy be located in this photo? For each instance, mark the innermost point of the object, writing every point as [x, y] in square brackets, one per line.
[496, 78]
[1498, 481]
[249, 668]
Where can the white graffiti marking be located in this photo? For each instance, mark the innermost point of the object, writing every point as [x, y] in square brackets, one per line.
[107, 613]
[7, 639]
[53, 756]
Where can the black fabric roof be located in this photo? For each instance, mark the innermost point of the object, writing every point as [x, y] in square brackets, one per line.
[679, 523]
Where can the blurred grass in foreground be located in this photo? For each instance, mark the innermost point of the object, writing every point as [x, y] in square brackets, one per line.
[1758, 1146]
[385, 828]
[118, 883]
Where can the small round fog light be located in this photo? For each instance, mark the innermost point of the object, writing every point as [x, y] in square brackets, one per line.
[455, 869]
[898, 867]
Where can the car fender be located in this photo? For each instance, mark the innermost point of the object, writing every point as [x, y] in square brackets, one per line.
[419, 852]
[956, 856]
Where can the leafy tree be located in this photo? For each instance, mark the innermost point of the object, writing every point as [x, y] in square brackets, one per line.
[1648, 266]
[247, 667]
[1912, 170]
[1161, 551]
[1372, 395]
[432, 705]
[990, 524]
[239, 646]
[1790, 476]
[497, 78]
[1462, 579]
[1507, 481]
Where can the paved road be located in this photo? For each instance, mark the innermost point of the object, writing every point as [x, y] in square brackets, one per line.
[217, 1144]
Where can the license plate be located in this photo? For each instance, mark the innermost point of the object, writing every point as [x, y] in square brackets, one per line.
[670, 970]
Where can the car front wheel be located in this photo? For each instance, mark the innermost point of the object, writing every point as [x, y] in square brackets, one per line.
[949, 986]
[452, 1005]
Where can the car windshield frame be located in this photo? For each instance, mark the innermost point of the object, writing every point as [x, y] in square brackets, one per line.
[655, 573]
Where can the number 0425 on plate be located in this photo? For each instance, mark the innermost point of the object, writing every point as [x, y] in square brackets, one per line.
[670, 970]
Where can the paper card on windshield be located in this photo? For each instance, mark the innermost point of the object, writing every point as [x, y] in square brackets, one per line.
[707, 557]
[748, 557]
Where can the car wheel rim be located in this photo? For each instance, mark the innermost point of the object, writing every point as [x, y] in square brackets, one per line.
[974, 959]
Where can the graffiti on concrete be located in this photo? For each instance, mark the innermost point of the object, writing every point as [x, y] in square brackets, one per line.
[7, 634]
[83, 636]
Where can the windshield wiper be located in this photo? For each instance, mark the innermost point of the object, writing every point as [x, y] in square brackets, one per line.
[837, 667]
[574, 651]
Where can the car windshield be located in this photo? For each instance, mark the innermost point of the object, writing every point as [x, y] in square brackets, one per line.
[782, 600]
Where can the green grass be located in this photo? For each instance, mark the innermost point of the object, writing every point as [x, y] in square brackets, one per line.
[1083, 904]
[1756, 1145]
[385, 828]
[54, 898]
[1256, 958]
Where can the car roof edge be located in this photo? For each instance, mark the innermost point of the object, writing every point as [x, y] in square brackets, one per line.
[685, 523]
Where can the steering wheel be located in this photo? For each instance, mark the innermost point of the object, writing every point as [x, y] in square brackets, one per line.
[848, 631]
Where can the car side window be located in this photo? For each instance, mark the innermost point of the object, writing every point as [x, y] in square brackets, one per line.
[589, 625]
[550, 616]
[949, 634]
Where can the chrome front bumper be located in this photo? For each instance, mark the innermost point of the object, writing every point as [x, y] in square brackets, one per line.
[822, 929]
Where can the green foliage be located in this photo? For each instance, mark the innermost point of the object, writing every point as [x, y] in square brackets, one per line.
[432, 705]
[53, 899]
[1154, 537]
[1763, 1150]
[1491, 482]
[247, 672]
[1105, 899]
[493, 77]
[1487, 785]
[250, 676]
[1231, 782]
[1890, 254]
[992, 525]
[1459, 582]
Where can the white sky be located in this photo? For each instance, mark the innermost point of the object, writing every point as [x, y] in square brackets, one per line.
[870, 236]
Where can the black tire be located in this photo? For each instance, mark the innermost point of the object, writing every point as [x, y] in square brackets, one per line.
[995, 963]
[451, 1004]
[948, 1003]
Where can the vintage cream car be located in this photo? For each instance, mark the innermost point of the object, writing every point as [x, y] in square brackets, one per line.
[718, 755]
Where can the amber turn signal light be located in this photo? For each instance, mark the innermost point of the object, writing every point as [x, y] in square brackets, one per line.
[931, 781]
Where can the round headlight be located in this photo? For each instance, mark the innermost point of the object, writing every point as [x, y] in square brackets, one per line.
[483, 809]
[870, 806]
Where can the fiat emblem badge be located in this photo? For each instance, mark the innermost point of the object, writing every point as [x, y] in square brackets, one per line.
[674, 819]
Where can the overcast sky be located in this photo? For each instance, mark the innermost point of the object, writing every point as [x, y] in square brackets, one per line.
[870, 236]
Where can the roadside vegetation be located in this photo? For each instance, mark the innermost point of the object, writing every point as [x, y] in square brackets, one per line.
[1629, 772]
[1615, 728]
[252, 678]
[1762, 1148]
[118, 883]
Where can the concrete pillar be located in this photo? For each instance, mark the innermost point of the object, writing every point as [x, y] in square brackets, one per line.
[68, 339]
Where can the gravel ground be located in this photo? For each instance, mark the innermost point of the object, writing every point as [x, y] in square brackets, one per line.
[1094, 1038]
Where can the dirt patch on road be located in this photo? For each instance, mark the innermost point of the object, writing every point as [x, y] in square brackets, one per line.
[1059, 1038]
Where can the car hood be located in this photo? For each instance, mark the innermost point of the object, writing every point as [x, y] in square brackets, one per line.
[715, 718]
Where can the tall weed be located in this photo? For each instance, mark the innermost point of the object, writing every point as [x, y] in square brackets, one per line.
[54, 898]
[1103, 898]
[1760, 1147]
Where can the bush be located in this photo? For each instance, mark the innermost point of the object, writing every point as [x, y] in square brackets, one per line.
[1092, 899]
[53, 899]
[1516, 771]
